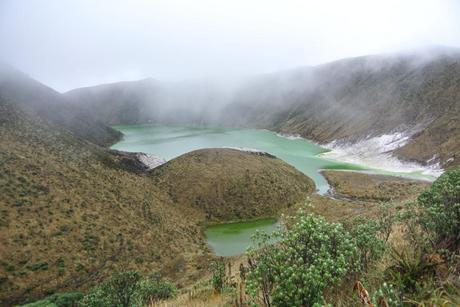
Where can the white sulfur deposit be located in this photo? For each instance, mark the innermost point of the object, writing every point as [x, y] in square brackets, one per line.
[375, 152]
[150, 161]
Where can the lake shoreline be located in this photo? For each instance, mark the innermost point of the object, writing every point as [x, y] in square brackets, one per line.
[180, 140]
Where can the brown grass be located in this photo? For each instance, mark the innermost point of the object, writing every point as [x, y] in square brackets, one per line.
[71, 214]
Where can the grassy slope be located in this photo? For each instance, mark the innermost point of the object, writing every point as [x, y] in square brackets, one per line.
[365, 187]
[228, 185]
[71, 214]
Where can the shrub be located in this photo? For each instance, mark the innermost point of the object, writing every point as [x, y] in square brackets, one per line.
[66, 299]
[128, 289]
[312, 256]
[96, 297]
[40, 303]
[370, 246]
[39, 266]
[385, 220]
[439, 211]
[410, 270]
[121, 287]
[386, 295]
[218, 275]
[153, 290]
[119, 290]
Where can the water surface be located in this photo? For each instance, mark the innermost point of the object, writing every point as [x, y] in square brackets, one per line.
[234, 238]
[171, 141]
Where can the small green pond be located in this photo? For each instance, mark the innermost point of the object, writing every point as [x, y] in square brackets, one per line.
[234, 238]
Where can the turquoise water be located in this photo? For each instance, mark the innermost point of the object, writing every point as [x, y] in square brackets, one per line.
[171, 141]
[234, 238]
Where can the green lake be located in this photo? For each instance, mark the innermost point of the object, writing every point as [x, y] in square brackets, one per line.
[234, 238]
[171, 141]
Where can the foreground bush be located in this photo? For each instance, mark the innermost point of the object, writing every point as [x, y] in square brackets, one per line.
[154, 289]
[67, 299]
[218, 275]
[439, 211]
[310, 257]
[128, 289]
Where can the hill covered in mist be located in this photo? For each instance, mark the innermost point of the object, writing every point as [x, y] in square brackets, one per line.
[151, 101]
[415, 97]
[407, 104]
[39, 100]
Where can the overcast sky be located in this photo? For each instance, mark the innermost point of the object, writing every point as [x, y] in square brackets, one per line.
[68, 44]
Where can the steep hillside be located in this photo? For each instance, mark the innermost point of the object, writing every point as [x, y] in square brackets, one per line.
[40, 100]
[228, 184]
[73, 213]
[357, 99]
[151, 101]
[407, 104]
[130, 102]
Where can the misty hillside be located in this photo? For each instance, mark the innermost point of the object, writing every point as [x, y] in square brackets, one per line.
[119, 103]
[353, 99]
[38, 99]
[414, 94]
[151, 101]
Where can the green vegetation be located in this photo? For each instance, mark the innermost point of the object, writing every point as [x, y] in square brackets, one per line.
[154, 289]
[117, 291]
[218, 275]
[67, 299]
[39, 266]
[128, 289]
[315, 261]
[312, 255]
[123, 289]
[437, 212]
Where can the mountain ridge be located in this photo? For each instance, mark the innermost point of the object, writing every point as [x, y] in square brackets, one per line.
[415, 94]
[40, 100]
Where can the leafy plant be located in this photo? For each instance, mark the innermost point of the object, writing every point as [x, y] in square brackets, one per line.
[310, 257]
[119, 290]
[409, 270]
[386, 295]
[153, 290]
[96, 297]
[370, 246]
[66, 299]
[218, 275]
[39, 266]
[385, 220]
[439, 211]
[129, 289]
